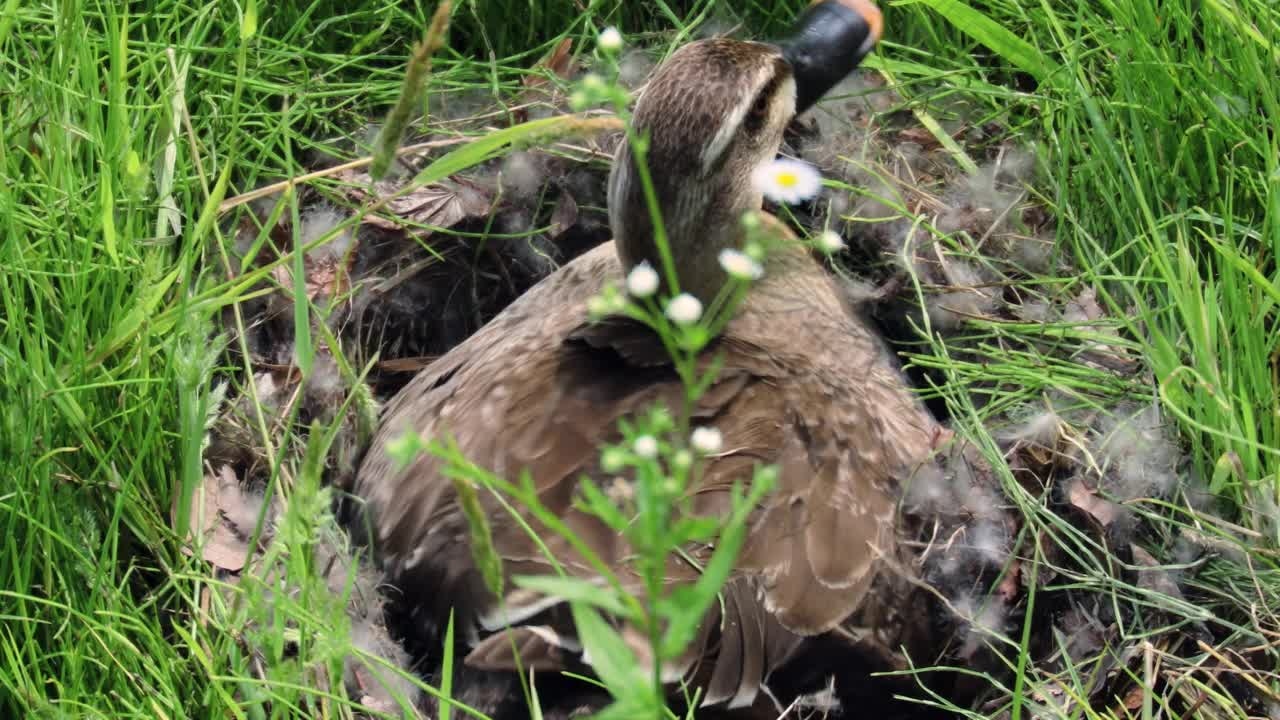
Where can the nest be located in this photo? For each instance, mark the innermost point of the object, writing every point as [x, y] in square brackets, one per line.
[1065, 544]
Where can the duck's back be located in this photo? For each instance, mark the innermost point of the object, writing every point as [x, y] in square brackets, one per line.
[804, 386]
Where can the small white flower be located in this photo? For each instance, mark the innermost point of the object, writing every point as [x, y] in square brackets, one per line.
[684, 309]
[642, 281]
[787, 181]
[706, 440]
[610, 39]
[830, 242]
[646, 447]
[593, 83]
[740, 265]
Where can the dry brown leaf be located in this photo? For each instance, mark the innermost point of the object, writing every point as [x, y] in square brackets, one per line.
[920, 136]
[325, 277]
[202, 515]
[1151, 576]
[1133, 698]
[1007, 590]
[1085, 499]
[537, 87]
[213, 505]
[564, 216]
[328, 275]
[559, 61]
[379, 705]
[1084, 308]
[443, 204]
[228, 546]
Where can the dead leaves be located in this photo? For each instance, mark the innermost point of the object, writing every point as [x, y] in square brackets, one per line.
[1152, 575]
[564, 216]
[324, 275]
[422, 210]
[559, 62]
[1092, 318]
[222, 520]
[537, 84]
[1086, 499]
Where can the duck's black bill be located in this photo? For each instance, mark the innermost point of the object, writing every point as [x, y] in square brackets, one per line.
[828, 42]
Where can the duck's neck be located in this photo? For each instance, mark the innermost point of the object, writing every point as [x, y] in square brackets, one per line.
[701, 217]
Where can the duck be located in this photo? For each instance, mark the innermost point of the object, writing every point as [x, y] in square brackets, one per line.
[804, 385]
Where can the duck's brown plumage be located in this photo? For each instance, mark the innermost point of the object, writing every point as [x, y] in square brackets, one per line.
[805, 385]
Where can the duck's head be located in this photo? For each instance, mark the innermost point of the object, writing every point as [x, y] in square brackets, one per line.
[711, 114]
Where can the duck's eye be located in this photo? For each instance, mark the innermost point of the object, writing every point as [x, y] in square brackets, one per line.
[758, 112]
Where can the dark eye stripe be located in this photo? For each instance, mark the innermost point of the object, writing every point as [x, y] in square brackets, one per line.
[759, 110]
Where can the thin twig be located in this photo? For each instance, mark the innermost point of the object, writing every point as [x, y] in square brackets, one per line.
[278, 187]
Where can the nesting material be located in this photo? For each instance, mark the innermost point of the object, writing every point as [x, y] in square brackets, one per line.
[926, 245]
[1136, 455]
[227, 514]
[634, 67]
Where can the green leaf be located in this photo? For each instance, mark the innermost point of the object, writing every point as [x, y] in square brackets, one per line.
[6, 19]
[108, 216]
[594, 501]
[625, 710]
[575, 590]
[1227, 468]
[446, 669]
[688, 605]
[143, 309]
[499, 142]
[303, 348]
[996, 37]
[613, 661]
[695, 529]
[249, 22]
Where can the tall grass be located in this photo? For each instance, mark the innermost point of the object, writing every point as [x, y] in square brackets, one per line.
[1157, 121]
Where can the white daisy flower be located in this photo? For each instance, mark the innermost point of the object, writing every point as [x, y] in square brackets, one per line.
[642, 281]
[610, 39]
[830, 242]
[646, 446]
[787, 181]
[740, 265]
[706, 440]
[684, 309]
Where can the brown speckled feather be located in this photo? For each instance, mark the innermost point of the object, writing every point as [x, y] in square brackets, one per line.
[804, 386]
